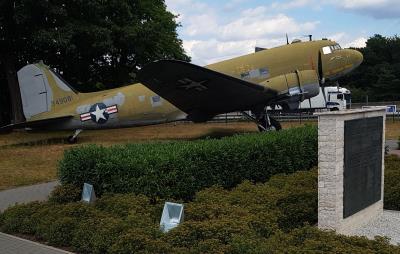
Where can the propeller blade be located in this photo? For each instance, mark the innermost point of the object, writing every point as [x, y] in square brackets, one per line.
[321, 76]
[323, 93]
[320, 70]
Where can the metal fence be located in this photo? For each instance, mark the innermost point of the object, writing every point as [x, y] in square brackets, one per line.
[369, 104]
[305, 116]
[287, 117]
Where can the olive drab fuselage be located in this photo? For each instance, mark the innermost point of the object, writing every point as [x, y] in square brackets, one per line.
[294, 71]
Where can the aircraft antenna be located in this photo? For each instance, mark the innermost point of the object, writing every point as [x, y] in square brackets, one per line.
[309, 36]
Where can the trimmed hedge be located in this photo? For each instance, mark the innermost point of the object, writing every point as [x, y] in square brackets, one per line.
[180, 169]
[251, 218]
[392, 183]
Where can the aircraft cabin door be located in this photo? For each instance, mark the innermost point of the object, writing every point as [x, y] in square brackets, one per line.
[329, 62]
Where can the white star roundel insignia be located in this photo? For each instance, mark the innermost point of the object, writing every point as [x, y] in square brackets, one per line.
[99, 113]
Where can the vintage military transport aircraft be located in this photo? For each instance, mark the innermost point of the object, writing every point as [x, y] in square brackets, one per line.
[172, 90]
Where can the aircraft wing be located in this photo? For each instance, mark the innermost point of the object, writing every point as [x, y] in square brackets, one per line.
[200, 92]
[33, 124]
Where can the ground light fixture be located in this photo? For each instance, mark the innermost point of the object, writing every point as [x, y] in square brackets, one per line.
[171, 217]
[88, 195]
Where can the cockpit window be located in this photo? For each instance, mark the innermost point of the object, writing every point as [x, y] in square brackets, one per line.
[335, 47]
[327, 50]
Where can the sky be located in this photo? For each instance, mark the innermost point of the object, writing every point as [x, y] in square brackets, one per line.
[213, 30]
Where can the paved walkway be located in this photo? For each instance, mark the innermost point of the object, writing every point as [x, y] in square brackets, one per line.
[393, 147]
[392, 144]
[38, 192]
[14, 245]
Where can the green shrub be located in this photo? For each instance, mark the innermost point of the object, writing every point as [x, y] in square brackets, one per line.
[311, 240]
[285, 201]
[82, 239]
[107, 232]
[180, 169]
[59, 232]
[273, 217]
[123, 205]
[140, 241]
[248, 244]
[65, 193]
[191, 233]
[392, 183]
[18, 219]
[297, 209]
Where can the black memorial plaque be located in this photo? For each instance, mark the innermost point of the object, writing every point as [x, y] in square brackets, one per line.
[362, 164]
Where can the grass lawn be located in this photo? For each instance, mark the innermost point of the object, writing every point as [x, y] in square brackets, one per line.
[392, 129]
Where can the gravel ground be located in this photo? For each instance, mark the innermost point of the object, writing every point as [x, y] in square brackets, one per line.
[387, 224]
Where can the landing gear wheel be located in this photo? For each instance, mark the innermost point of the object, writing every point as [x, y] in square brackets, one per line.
[72, 140]
[263, 120]
[274, 125]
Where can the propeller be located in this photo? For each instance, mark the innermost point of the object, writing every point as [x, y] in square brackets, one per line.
[321, 76]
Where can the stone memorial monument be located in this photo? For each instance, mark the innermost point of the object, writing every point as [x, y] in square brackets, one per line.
[350, 167]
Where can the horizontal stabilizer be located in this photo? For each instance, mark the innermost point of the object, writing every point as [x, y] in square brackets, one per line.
[35, 124]
[258, 49]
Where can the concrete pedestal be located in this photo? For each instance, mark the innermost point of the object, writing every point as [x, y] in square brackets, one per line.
[339, 208]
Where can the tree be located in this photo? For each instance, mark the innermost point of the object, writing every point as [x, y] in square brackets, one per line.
[4, 101]
[379, 75]
[94, 44]
[8, 56]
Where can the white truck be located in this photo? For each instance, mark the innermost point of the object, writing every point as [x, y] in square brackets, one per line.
[337, 98]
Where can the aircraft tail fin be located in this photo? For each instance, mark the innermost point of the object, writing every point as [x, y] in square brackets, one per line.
[42, 90]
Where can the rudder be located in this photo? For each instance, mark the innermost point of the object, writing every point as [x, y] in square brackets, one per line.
[39, 86]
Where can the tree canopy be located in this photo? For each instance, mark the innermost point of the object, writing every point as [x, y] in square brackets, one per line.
[94, 44]
[379, 75]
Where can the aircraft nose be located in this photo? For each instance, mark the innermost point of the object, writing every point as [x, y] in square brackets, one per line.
[356, 58]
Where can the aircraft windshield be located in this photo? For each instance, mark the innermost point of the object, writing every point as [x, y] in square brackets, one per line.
[329, 49]
[336, 47]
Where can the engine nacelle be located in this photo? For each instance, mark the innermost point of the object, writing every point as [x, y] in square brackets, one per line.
[295, 87]
[303, 83]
